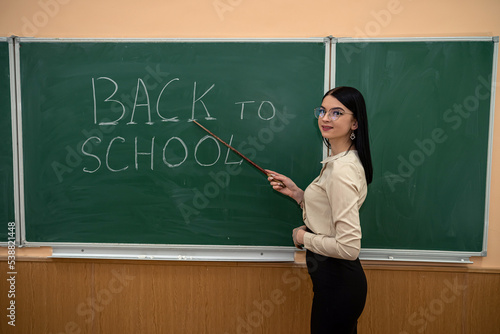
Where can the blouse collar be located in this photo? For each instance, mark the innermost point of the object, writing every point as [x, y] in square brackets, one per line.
[337, 156]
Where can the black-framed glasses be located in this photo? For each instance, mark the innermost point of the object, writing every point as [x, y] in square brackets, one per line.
[333, 113]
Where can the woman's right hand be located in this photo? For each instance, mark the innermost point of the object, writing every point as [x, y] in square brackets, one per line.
[290, 189]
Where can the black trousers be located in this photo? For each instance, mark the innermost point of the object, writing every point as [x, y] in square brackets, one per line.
[340, 289]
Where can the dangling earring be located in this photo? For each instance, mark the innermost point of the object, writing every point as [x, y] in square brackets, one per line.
[352, 136]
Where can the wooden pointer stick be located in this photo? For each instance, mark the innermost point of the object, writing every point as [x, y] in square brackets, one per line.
[240, 154]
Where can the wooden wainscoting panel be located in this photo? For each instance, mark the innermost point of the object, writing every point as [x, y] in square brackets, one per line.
[157, 297]
[50, 297]
[201, 299]
[150, 298]
[482, 304]
[407, 302]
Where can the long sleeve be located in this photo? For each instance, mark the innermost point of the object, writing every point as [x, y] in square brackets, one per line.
[331, 210]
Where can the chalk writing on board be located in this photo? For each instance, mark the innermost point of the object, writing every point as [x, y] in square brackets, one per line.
[141, 88]
[151, 153]
[106, 106]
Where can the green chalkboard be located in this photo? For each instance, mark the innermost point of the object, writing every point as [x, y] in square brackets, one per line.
[6, 158]
[429, 115]
[111, 155]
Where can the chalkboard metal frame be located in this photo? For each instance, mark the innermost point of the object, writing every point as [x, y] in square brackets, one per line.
[429, 255]
[160, 251]
[12, 71]
[6, 40]
[15, 144]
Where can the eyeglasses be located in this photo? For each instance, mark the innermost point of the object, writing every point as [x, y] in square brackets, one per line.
[333, 113]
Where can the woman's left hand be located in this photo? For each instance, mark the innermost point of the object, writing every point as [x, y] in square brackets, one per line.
[298, 236]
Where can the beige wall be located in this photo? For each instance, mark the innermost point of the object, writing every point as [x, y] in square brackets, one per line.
[259, 18]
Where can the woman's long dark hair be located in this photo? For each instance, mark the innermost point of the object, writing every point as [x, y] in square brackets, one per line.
[354, 101]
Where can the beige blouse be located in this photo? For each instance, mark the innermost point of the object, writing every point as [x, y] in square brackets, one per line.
[331, 207]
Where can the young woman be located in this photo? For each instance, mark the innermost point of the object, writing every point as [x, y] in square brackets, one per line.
[332, 232]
